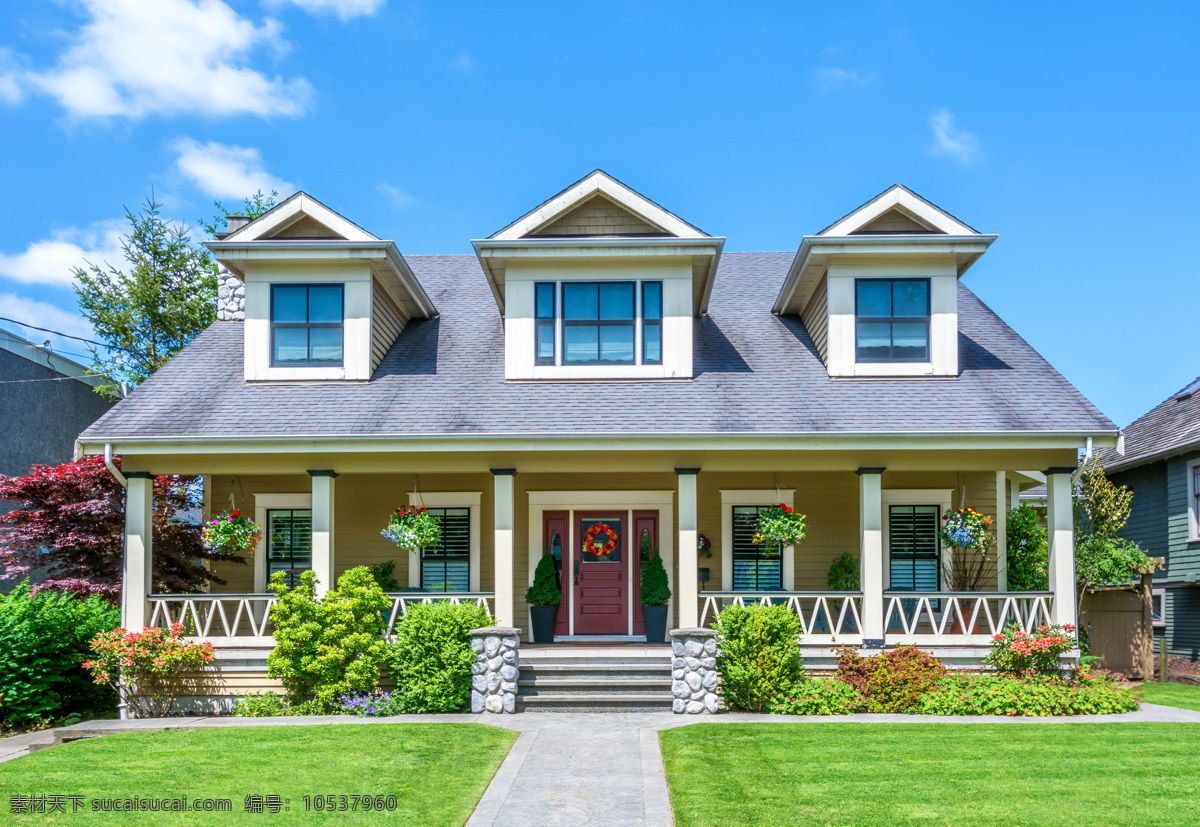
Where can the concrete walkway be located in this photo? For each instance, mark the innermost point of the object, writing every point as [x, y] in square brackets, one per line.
[570, 768]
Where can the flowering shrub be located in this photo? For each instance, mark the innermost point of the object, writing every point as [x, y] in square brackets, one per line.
[375, 703]
[703, 545]
[412, 528]
[1089, 693]
[141, 665]
[231, 533]
[819, 696]
[966, 528]
[1016, 652]
[893, 680]
[779, 526]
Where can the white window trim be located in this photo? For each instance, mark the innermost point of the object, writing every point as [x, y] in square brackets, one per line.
[1193, 517]
[1161, 594]
[571, 501]
[449, 499]
[750, 496]
[263, 503]
[943, 497]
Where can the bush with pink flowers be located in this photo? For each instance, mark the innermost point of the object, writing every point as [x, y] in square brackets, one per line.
[143, 666]
[1017, 652]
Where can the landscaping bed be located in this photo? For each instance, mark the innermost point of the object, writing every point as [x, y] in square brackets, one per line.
[418, 773]
[849, 773]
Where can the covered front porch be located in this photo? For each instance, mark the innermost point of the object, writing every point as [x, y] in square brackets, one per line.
[500, 520]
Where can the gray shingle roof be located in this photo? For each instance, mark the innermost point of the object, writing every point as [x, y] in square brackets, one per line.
[1171, 427]
[755, 373]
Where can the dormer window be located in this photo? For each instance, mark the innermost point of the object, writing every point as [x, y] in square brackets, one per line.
[307, 325]
[891, 319]
[598, 323]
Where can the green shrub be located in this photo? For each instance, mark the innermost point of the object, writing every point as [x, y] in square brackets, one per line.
[544, 591]
[892, 681]
[975, 694]
[264, 704]
[431, 657]
[1028, 552]
[759, 654]
[385, 576]
[329, 647]
[843, 573]
[44, 640]
[819, 696]
[655, 588]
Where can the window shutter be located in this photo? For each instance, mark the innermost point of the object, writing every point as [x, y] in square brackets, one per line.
[447, 566]
[753, 569]
[914, 547]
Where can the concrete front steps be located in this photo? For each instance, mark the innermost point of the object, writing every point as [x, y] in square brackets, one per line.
[564, 678]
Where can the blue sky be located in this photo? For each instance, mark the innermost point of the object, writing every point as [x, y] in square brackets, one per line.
[1070, 133]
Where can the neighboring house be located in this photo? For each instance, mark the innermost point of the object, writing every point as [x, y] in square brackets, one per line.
[601, 361]
[45, 401]
[1161, 466]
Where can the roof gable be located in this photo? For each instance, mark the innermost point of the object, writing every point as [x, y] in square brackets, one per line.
[896, 210]
[1172, 427]
[599, 216]
[632, 209]
[300, 216]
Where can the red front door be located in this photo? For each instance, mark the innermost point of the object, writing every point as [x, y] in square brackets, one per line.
[600, 573]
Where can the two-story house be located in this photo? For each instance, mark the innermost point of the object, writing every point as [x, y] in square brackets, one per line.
[601, 361]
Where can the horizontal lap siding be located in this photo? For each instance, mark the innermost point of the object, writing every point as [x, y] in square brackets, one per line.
[816, 319]
[386, 324]
[1183, 560]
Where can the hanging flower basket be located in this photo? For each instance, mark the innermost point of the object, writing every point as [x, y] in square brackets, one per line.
[231, 534]
[779, 526]
[966, 528]
[412, 528]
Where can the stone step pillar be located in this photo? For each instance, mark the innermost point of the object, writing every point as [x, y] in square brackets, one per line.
[694, 677]
[496, 669]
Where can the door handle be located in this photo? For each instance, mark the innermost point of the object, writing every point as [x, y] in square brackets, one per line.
[576, 572]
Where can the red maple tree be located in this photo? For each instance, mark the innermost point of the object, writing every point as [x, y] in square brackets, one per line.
[70, 526]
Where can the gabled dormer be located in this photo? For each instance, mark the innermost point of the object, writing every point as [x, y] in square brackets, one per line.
[878, 289]
[325, 299]
[599, 282]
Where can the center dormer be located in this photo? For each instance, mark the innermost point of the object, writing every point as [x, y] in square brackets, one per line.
[599, 282]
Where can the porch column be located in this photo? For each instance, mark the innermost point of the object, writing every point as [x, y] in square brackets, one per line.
[503, 510]
[1001, 531]
[1060, 528]
[322, 529]
[870, 524]
[689, 588]
[139, 542]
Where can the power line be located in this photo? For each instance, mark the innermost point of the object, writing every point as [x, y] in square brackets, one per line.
[65, 335]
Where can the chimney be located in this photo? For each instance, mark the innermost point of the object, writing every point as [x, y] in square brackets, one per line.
[233, 223]
[231, 297]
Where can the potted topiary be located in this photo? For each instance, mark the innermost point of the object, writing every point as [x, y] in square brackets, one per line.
[543, 597]
[844, 577]
[656, 594]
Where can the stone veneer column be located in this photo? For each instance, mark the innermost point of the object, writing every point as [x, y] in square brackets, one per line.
[231, 297]
[694, 671]
[496, 669]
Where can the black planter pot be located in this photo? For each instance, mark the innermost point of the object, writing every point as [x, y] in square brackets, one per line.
[656, 623]
[543, 623]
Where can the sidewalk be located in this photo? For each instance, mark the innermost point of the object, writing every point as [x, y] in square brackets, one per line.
[566, 768]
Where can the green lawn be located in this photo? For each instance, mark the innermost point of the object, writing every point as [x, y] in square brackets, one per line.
[1181, 695]
[437, 772]
[893, 774]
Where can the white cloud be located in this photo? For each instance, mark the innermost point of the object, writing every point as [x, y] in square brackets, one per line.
[46, 315]
[10, 76]
[951, 142]
[137, 57]
[224, 171]
[831, 77]
[51, 260]
[399, 198]
[463, 63]
[345, 9]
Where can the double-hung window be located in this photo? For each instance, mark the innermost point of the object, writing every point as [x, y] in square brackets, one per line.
[891, 320]
[598, 323]
[755, 567]
[913, 548]
[307, 325]
[446, 567]
[289, 542]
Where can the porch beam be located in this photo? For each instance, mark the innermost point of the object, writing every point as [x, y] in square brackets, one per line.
[322, 529]
[1060, 526]
[139, 549]
[870, 522]
[1001, 531]
[503, 511]
[689, 587]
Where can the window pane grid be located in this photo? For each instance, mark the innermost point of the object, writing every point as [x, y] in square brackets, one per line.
[754, 569]
[913, 548]
[892, 320]
[307, 325]
[599, 323]
[446, 567]
[289, 543]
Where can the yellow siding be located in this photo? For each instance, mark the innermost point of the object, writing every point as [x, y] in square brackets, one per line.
[306, 227]
[598, 216]
[893, 221]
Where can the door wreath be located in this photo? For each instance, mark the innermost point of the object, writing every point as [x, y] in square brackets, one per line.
[591, 543]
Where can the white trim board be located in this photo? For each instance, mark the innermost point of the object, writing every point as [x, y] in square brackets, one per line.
[449, 499]
[753, 496]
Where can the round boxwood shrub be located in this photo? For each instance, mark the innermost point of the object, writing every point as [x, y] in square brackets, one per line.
[759, 654]
[431, 657]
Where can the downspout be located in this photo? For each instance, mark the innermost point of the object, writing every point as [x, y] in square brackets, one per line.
[122, 707]
[1087, 457]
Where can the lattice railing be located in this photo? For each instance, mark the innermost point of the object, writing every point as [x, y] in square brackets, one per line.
[402, 600]
[933, 616]
[822, 614]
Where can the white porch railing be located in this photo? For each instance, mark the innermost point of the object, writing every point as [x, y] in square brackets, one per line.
[924, 618]
[830, 618]
[245, 619]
